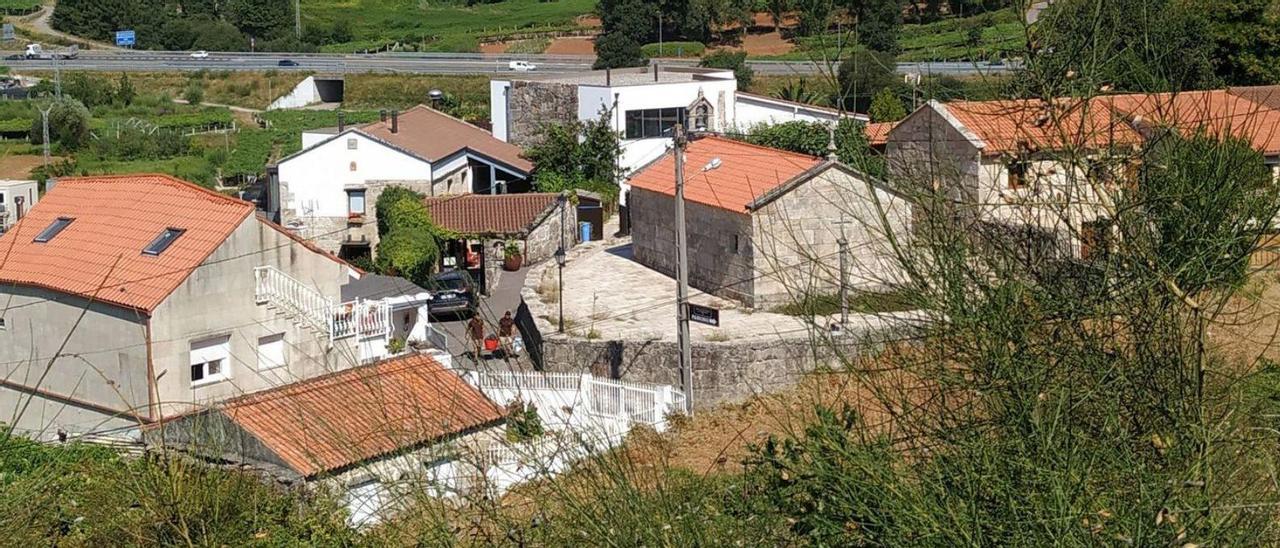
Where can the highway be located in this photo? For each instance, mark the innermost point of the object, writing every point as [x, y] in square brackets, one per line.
[411, 63]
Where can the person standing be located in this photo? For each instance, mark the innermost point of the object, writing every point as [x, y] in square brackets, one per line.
[475, 331]
[506, 332]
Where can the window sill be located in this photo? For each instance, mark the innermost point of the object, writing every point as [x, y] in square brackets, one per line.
[207, 381]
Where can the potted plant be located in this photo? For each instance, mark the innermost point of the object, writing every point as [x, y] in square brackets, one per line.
[512, 259]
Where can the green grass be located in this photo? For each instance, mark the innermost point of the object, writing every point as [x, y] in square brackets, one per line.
[945, 40]
[438, 26]
[195, 169]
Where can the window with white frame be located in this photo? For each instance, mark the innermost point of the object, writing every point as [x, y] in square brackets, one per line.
[271, 352]
[210, 360]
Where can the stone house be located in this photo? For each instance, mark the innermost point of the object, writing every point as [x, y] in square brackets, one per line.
[764, 225]
[326, 191]
[642, 105]
[1055, 167]
[406, 423]
[130, 298]
[538, 222]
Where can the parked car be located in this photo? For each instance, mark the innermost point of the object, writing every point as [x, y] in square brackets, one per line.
[202, 54]
[451, 293]
[522, 66]
[287, 63]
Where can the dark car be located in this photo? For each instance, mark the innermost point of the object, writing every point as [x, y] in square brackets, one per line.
[451, 293]
[288, 63]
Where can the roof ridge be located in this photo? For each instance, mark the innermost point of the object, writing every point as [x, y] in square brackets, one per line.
[722, 139]
[162, 176]
[394, 363]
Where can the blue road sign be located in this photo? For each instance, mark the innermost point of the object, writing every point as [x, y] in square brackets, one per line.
[126, 38]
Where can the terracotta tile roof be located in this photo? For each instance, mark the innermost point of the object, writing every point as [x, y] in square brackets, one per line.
[878, 132]
[505, 214]
[1010, 126]
[1267, 96]
[116, 217]
[434, 135]
[745, 174]
[1215, 112]
[345, 418]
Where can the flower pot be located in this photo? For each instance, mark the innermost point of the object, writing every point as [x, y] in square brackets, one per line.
[512, 263]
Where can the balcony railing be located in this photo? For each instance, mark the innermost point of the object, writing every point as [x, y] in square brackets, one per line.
[356, 318]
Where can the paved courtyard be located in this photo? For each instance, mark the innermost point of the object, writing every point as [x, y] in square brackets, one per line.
[610, 296]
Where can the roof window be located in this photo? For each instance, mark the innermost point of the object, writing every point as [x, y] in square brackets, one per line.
[53, 229]
[163, 241]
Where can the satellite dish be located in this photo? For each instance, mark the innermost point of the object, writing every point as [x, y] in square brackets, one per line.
[713, 164]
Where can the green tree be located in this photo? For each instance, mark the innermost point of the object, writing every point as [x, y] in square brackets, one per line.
[262, 19]
[617, 50]
[734, 60]
[778, 9]
[886, 107]
[878, 23]
[577, 155]
[1081, 46]
[389, 197]
[219, 36]
[68, 124]
[814, 139]
[194, 93]
[411, 254]
[815, 15]
[124, 90]
[862, 75]
[1246, 39]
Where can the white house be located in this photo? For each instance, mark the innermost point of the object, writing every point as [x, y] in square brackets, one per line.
[131, 298]
[16, 199]
[326, 191]
[642, 103]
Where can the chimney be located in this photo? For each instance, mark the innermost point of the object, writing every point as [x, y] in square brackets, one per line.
[342, 122]
[655, 72]
[382, 115]
[395, 121]
[608, 77]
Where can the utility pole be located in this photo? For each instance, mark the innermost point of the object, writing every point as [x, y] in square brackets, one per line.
[57, 78]
[682, 275]
[44, 123]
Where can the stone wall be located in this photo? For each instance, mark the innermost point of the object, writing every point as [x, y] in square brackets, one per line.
[797, 238]
[720, 247]
[532, 105]
[543, 241]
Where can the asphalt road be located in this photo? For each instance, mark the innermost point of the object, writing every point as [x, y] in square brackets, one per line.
[439, 63]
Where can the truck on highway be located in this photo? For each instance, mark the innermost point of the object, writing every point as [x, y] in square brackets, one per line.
[36, 51]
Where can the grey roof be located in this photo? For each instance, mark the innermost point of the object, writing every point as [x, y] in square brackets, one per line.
[377, 286]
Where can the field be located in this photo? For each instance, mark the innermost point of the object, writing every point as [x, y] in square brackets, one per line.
[441, 26]
[980, 37]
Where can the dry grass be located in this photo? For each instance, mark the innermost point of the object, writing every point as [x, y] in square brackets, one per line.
[254, 90]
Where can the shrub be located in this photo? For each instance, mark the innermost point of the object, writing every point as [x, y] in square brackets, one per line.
[194, 94]
[674, 49]
[68, 124]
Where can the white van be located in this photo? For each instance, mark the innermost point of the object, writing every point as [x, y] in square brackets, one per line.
[522, 66]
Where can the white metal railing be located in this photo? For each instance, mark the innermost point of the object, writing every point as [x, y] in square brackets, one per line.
[363, 318]
[280, 289]
[631, 402]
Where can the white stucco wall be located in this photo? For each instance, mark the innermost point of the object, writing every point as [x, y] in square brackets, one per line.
[312, 138]
[217, 299]
[9, 190]
[498, 107]
[314, 182]
[752, 111]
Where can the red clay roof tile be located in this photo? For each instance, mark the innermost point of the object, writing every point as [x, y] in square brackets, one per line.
[489, 213]
[746, 172]
[1010, 126]
[99, 255]
[345, 418]
[435, 135]
[1215, 112]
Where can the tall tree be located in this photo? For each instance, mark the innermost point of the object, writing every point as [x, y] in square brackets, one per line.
[1246, 39]
[261, 19]
[878, 23]
[626, 25]
[815, 15]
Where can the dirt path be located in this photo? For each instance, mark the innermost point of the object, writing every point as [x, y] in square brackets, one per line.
[19, 166]
[580, 45]
[38, 23]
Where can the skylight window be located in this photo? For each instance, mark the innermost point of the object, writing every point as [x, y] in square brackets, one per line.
[163, 241]
[53, 229]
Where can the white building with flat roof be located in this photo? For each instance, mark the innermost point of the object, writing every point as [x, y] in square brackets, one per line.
[16, 199]
[643, 104]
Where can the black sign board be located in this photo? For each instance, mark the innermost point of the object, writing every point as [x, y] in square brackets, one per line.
[704, 315]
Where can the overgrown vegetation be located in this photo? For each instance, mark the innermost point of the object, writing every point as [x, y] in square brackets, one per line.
[577, 156]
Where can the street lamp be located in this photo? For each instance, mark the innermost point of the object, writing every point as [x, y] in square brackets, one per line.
[560, 258]
[560, 262]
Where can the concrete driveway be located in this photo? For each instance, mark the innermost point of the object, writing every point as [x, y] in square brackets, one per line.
[504, 297]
